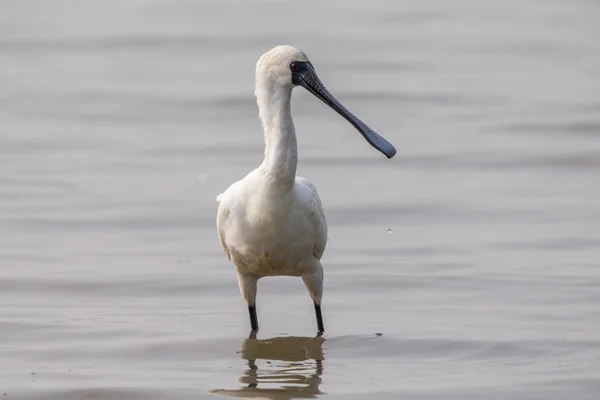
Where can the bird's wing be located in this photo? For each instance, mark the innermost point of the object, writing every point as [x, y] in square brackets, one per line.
[315, 214]
[223, 213]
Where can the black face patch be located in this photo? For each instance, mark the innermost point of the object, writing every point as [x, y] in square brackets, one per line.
[298, 68]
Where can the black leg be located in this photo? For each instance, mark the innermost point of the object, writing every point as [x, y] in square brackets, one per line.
[319, 318]
[253, 319]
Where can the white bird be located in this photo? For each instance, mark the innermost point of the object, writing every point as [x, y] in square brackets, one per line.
[271, 222]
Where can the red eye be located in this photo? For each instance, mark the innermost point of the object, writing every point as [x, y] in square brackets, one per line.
[294, 66]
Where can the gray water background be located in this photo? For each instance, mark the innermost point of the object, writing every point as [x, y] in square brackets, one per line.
[120, 122]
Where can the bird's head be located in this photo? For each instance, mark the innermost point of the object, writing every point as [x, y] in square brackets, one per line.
[284, 67]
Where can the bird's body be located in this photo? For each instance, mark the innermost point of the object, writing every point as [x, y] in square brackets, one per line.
[271, 222]
[267, 231]
[274, 235]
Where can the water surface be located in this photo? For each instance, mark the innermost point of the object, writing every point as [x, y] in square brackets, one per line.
[467, 267]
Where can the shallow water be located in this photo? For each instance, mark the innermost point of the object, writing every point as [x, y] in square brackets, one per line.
[122, 121]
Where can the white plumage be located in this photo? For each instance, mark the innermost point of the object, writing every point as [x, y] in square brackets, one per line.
[271, 223]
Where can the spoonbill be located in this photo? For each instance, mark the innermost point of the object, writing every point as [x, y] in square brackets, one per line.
[271, 222]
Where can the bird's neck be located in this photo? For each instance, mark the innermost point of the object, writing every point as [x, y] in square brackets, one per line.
[281, 148]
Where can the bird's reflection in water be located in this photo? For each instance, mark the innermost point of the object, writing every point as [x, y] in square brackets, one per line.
[280, 368]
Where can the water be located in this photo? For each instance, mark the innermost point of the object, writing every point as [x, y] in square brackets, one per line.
[467, 267]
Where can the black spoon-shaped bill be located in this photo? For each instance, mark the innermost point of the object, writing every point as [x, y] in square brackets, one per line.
[306, 77]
